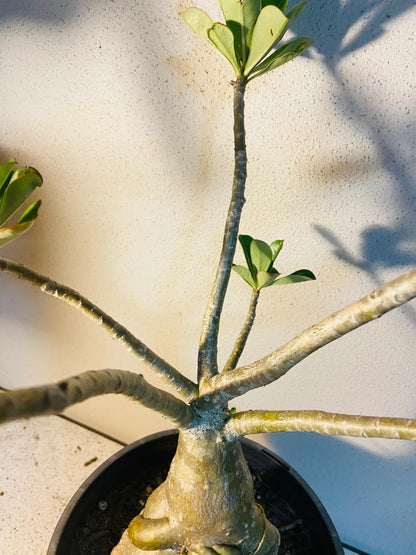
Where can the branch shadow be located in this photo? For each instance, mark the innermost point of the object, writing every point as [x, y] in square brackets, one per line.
[355, 24]
[352, 24]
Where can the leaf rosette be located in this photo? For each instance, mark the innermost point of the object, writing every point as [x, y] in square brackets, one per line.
[260, 258]
[248, 39]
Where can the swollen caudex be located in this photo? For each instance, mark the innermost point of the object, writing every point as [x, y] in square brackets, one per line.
[207, 498]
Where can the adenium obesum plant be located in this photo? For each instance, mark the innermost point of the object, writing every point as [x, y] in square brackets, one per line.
[206, 505]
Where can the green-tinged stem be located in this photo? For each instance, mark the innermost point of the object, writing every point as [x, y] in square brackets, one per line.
[260, 421]
[244, 333]
[54, 398]
[207, 356]
[152, 533]
[276, 364]
[182, 385]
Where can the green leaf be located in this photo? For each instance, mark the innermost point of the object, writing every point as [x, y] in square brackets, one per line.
[5, 173]
[223, 40]
[261, 255]
[264, 279]
[245, 274]
[240, 18]
[294, 12]
[284, 54]
[30, 213]
[245, 242]
[275, 247]
[22, 184]
[296, 277]
[8, 234]
[269, 27]
[198, 21]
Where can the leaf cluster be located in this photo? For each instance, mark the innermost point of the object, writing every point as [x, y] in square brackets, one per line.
[251, 32]
[260, 258]
[15, 188]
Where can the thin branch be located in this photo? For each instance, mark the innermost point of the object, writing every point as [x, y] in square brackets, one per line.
[183, 385]
[327, 423]
[207, 356]
[244, 333]
[277, 363]
[54, 398]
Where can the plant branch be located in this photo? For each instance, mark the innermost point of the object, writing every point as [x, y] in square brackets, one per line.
[276, 364]
[182, 384]
[207, 356]
[259, 421]
[244, 333]
[54, 398]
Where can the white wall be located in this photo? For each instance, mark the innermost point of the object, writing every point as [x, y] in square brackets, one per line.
[128, 117]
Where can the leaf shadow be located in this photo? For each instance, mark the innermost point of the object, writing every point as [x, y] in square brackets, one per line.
[353, 25]
[350, 24]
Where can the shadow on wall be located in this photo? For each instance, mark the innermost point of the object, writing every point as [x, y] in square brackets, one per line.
[340, 28]
[364, 493]
[380, 246]
[353, 25]
[368, 18]
[43, 10]
[356, 483]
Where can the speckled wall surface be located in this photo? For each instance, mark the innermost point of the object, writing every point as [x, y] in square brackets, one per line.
[128, 117]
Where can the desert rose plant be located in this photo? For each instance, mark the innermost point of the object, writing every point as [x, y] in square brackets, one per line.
[206, 505]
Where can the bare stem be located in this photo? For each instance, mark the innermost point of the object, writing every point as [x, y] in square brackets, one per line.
[207, 356]
[259, 421]
[54, 398]
[276, 364]
[244, 333]
[182, 385]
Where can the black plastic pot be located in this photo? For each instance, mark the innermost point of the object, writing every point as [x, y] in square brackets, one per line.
[101, 509]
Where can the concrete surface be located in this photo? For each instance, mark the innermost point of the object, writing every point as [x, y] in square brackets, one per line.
[43, 462]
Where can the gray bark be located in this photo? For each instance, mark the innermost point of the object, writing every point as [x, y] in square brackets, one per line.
[207, 356]
[54, 398]
[118, 332]
[276, 364]
[261, 421]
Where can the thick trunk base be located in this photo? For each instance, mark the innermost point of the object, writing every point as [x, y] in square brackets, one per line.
[206, 505]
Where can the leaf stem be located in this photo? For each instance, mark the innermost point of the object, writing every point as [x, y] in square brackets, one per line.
[260, 421]
[207, 356]
[276, 364]
[181, 384]
[54, 398]
[244, 333]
